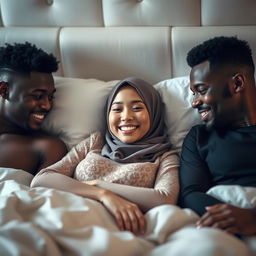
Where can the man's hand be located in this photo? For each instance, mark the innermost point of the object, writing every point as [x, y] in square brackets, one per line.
[232, 219]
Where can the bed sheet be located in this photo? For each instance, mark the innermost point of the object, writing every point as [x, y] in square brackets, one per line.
[43, 221]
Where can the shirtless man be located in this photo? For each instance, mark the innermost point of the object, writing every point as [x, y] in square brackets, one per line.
[26, 97]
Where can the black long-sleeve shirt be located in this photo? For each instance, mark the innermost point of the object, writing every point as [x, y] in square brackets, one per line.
[210, 158]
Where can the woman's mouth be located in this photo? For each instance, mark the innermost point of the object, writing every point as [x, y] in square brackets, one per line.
[128, 129]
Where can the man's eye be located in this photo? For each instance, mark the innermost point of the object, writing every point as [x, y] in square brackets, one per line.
[51, 97]
[37, 97]
[202, 92]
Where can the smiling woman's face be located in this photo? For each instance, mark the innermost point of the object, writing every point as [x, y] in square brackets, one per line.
[128, 118]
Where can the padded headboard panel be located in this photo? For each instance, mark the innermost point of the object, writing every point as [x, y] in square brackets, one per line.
[113, 39]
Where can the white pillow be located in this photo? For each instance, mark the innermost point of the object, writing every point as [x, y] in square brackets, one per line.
[244, 197]
[78, 108]
[180, 116]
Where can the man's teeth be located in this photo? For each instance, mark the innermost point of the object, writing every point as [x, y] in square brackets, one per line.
[203, 114]
[39, 116]
[127, 128]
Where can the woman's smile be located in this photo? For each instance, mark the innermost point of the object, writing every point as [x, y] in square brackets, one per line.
[128, 118]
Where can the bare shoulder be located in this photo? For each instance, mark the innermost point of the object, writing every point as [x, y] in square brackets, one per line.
[51, 149]
[49, 144]
[30, 152]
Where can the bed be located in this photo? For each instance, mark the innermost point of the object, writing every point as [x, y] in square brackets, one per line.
[99, 42]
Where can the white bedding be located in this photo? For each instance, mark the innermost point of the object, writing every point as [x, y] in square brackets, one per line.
[43, 221]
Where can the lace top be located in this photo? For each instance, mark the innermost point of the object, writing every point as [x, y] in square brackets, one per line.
[84, 162]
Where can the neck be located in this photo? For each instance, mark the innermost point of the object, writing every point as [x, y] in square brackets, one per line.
[8, 127]
[248, 117]
[250, 107]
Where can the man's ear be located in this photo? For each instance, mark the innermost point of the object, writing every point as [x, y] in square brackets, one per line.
[4, 89]
[238, 82]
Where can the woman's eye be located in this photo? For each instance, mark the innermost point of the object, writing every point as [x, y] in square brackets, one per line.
[116, 109]
[137, 108]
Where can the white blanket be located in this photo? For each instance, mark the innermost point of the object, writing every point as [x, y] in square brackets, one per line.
[42, 221]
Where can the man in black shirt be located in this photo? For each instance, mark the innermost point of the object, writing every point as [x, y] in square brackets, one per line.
[222, 150]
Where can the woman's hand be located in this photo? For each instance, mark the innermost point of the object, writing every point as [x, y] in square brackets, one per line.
[128, 215]
[91, 182]
[232, 219]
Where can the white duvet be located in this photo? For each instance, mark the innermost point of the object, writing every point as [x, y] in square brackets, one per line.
[42, 221]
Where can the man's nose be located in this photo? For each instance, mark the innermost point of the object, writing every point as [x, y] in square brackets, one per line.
[196, 102]
[46, 104]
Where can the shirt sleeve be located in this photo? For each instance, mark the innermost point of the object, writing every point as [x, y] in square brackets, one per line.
[195, 177]
[165, 190]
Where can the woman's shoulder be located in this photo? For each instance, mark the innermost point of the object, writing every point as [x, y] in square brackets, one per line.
[93, 141]
[97, 135]
[171, 155]
[96, 140]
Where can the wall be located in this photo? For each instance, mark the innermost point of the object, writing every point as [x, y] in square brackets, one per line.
[112, 39]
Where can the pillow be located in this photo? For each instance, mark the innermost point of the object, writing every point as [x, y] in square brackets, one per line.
[78, 108]
[180, 116]
[244, 197]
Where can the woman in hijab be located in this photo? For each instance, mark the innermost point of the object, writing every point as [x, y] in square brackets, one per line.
[129, 169]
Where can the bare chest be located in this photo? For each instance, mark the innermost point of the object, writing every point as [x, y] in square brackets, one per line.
[19, 153]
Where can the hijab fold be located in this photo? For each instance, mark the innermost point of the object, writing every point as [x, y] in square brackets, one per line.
[154, 143]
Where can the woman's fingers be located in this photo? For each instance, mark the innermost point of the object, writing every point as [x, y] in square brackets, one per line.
[141, 221]
[119, 221]
[131, 220]
[127, 214]
[126, 220]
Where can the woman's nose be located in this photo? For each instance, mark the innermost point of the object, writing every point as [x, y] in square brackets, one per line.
[126, 115]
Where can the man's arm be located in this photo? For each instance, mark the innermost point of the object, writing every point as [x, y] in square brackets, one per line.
[195, 178]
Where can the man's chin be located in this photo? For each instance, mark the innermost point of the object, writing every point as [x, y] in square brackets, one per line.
[33, 128]
[213, 125]
[209, 125]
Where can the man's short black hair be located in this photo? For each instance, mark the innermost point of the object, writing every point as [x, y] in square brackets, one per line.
[26, 57]
[221, 51]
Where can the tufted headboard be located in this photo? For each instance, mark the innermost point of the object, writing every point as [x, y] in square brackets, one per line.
[113, 39]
